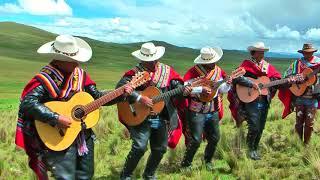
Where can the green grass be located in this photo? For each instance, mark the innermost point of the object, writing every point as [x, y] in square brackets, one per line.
[284, 157]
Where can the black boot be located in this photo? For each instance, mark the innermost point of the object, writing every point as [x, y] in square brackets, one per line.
[250, 142]
[257, 156]
[190, 152]
[152, 165]
[131, 163]
[252, 155]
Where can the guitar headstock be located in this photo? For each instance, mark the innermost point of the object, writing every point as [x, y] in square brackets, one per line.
[140, 78]
[237, 73]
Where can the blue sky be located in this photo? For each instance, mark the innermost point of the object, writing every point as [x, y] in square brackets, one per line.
[232, 24]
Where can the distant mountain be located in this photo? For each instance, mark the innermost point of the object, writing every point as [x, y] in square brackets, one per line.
[21, 41]
[283, 55]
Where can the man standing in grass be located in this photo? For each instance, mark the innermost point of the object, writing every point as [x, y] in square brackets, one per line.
[254, 112]
[307, 104]
[58, 81]
[203, 117]
[155, 127]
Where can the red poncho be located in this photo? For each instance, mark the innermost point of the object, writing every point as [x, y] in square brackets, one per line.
[264, 69]
[31, 144]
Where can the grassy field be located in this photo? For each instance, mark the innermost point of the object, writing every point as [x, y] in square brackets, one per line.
[284, 157]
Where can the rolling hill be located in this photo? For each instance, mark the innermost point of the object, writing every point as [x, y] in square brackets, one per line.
[21, 42]
[284, 156]
[19, 60]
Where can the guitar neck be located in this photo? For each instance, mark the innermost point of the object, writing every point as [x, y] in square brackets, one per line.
[219, 83]
[96, 104]
[168, 94]
[276, 82]
[314, 72]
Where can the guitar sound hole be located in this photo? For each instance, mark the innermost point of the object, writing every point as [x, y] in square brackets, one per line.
[79, 113]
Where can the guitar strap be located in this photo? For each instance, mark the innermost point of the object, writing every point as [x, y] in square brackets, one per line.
[58, 86]
[160, 78]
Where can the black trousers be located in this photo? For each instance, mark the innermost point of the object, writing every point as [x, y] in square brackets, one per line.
[199, 124]
[140, 136]
[68, 164]
[257, 112]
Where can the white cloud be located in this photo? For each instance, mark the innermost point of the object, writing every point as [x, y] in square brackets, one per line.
[38, 7]
[313, 34]
[10, 8]
[229, 24]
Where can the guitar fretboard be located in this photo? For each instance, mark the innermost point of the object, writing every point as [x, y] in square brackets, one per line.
[218, 84]
[275, 83]
[314, 72]
[102, 100]
[168, 94]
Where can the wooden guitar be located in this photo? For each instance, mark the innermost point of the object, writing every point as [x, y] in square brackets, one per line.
[215, 85]
[247, 94]
[134, 114]
[83, 110]
[309, 77]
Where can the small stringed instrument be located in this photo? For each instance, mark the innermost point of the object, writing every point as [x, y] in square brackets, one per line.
[310, 78]
[215, 85]
[247, 94]
[134, 114]
[83, 110]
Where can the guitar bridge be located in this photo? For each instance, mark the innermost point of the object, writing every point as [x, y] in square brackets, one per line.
[132, 109]
[61, 132]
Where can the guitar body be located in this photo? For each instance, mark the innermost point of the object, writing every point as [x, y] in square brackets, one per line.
[208, 97]
[247, 94]
[214, 86]
[299, 89]
[141, 111]
[51, 137]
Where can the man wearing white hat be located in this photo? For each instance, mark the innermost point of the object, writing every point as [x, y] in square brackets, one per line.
[254, 112]
[306, 105]
[154, 127]
[59, 80]
[203, 117]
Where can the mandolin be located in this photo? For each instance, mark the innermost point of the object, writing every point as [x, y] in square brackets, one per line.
[215, 85]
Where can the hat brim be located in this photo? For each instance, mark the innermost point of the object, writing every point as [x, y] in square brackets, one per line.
[252, 48]
[84, 54]
[218, 56]
[160, 52]
[308, 50]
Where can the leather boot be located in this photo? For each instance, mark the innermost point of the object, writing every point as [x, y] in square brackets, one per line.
[152, 165]
[131, 163]
[190, 152]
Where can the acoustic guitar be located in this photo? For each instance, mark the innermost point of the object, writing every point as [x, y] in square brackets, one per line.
[309, 77]
[83, 110]
[134, 114]
[214, 86]
[247, 94]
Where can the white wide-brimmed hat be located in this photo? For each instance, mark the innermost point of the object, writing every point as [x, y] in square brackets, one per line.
[209, 55]
[67, 48]
[149, 52]
[258, 46]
